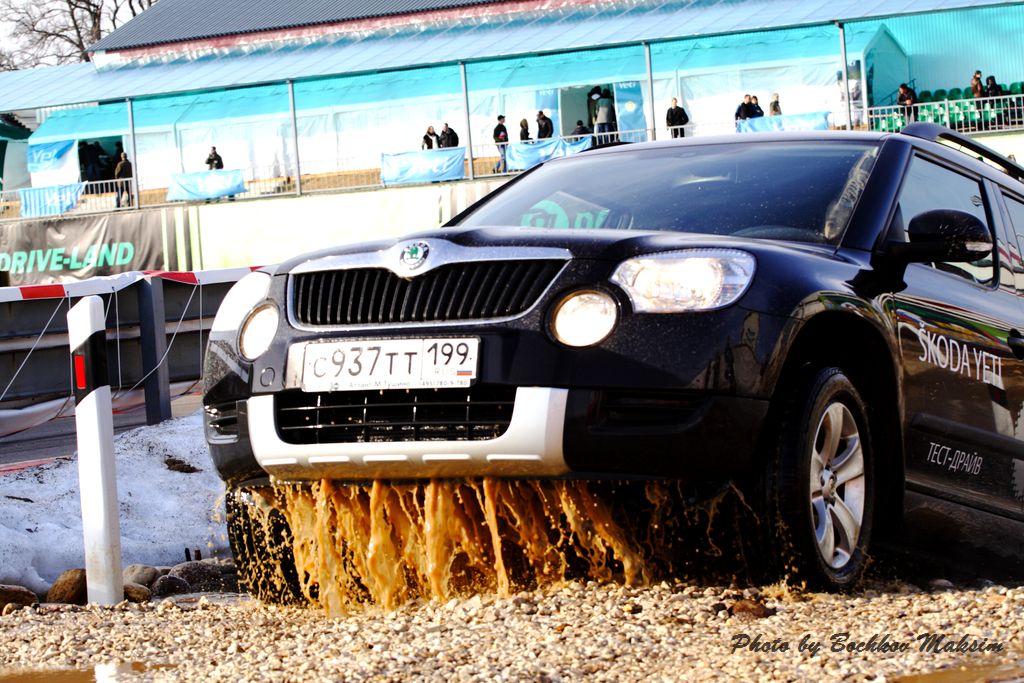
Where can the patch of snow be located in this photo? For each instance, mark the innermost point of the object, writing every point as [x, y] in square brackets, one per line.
[162, 511]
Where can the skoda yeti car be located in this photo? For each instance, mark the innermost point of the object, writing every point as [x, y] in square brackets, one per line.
[830, 321]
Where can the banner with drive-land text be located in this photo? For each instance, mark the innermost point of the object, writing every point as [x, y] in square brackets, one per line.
[49, 251]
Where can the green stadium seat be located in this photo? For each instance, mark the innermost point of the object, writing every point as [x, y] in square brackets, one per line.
[1016, 88]
[925, 96]
[956, 93]
[940, 95]
[1003, 87]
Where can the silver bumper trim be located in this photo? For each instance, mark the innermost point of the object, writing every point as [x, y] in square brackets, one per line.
[532, 446]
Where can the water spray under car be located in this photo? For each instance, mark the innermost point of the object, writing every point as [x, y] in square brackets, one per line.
[744, 311]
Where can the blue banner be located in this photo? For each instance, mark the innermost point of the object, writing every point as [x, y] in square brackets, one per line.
[49, 201]
[525, 155]
[764, 124]
[47, 155]
[629, 110]
[205, 185]
[423, 167]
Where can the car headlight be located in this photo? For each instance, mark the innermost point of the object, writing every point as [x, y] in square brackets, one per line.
[584, 318]
[688, 280]
[238, 303]
[258, 332]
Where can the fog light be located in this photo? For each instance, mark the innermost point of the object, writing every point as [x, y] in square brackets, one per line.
[258, 332]
[584, 318]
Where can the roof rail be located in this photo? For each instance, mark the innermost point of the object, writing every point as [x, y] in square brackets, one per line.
[933, 132]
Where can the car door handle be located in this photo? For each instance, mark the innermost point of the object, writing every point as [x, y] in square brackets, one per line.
[1016, 342]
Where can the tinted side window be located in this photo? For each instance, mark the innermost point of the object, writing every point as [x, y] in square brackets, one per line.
[929, 186]
[1016, 209]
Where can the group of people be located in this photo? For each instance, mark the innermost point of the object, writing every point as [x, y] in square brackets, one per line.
[545, 129]
[96, 164]
[990, 89]
[750, 109]
[906, 96]
[447, 138]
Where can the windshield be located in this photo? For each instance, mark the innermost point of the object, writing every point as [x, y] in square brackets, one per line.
[801, 191]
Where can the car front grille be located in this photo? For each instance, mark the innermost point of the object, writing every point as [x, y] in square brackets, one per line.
[459, 291]
[473, 414]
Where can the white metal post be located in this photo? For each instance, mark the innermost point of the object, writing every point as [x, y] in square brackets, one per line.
[97, 474]
[846, 75]
[135, 158]
[650, 92]
[465, 104]
[295, 137]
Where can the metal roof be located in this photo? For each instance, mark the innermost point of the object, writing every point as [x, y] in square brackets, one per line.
[171, 21]
[563, 30]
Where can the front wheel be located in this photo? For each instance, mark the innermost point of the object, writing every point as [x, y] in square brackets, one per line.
[261, 542]
[819, 486]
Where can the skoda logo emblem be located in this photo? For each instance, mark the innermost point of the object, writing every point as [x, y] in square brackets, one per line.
[414, 255]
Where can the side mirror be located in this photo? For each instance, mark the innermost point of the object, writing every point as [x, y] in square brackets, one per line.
[944, 235]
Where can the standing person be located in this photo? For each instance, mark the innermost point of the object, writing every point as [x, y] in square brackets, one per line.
[430, 139]
[604, 118]
[524, 131]
[992, 89]
[214, 162]
[907, 98]
[977, 90]
[755, 107]
[501, 140]
[774, 107]
[545, 128]
[676, 118]
[745, 110]
[449, 138]
[123, 180]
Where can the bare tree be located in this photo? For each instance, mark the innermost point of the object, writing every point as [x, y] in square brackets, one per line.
[61, 31]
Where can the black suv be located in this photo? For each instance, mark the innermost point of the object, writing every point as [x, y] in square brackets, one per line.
[833, 321]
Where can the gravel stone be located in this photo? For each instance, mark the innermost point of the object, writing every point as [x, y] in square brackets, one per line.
[170, 585]
[564, 633]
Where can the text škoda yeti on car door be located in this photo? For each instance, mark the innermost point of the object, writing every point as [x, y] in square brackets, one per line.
[962, 381]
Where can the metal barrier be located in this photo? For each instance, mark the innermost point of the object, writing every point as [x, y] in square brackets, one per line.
[971, 115]
[157, 326]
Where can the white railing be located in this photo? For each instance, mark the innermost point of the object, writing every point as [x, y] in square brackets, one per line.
[334, 175]
[966, 115]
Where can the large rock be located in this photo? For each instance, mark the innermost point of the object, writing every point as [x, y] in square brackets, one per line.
[134, 592]
[202, 576]
[142, 574]
[69, 588]
[170, 585]
[16, 594]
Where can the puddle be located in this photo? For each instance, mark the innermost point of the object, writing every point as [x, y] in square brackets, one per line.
[1004, 673]
[103, 673]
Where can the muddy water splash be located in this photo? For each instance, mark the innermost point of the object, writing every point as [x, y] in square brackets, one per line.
[386, 543]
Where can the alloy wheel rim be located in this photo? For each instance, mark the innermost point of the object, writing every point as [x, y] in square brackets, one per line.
[837, 485]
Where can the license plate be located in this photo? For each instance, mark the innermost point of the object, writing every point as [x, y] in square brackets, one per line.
[357, 365]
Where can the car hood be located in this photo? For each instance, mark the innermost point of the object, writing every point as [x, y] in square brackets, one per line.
[604, 245]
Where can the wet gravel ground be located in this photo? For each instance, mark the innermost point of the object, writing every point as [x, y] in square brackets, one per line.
[670, 632]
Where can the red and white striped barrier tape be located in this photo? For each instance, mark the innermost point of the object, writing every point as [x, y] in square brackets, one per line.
[105, 284]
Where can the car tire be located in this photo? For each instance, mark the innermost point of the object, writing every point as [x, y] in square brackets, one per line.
[261, 542]
[818, 491]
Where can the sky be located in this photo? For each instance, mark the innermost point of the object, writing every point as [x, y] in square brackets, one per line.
[162, 511]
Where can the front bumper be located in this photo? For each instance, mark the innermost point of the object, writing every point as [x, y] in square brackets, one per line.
[530, 447]
[559, 433]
